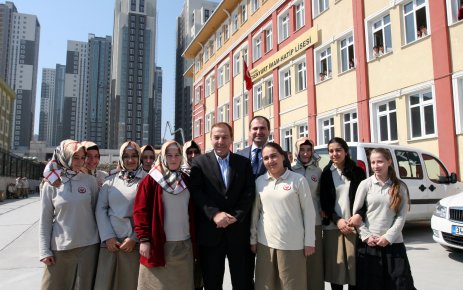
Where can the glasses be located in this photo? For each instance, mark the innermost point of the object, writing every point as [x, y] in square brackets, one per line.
[128, 157]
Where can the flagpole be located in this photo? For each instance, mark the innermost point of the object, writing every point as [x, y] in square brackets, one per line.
[243, 103]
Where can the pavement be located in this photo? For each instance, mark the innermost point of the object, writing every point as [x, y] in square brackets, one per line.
[432, 266]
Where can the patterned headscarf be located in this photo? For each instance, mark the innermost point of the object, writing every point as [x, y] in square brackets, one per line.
[305, 141]
[186, 167]
[125, 173]
[60, 164]
[147, 148]
[170, 181]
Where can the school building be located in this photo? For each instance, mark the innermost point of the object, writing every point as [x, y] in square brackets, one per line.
[373, 71]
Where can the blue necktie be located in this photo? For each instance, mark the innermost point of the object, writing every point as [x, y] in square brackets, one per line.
[223, 163]
[255, 161]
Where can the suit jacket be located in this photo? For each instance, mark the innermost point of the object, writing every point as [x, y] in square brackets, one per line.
[211, 196]
[246, 152]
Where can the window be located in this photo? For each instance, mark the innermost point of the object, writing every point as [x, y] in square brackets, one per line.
[458, 95]
[380, 39]
[198, 95]
[268, 39]
[257, 47]
[300, 17]
[254, 5]
[226, 32]
[422, 121]
[224, 112]
[208, 87]
[434, 168]
[409, 164]
[268, 92]
[347, 53]
[386, 117]
[244, 12]
[221, 76]
[209, 122]
[301, 80]
[237, 108]
[283, 26]
[323, 64]
[326, 130]
[319, 6]
[246, 106]
[236, 64]
[234, 22]
[258, 102]
[245, 55]
[218, 39]
[227, 72]
[350, 127]
[303, 131]
[287, 141]
[453, 8]
[285, 83]
[415, 20]
[197, 128]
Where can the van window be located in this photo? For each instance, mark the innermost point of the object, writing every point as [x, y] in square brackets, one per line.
[409, 164]
[434, 168]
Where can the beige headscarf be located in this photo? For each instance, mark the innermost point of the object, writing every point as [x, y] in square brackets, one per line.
[90, 145]
[149, 148]
[301, 141]
[170, 181]
[60, 163]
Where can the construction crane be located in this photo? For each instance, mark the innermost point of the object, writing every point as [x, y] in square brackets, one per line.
[172, 132]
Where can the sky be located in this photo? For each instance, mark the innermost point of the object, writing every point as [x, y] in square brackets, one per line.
[63, 20]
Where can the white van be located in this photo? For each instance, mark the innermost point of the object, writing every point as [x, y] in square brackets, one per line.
[427, 178]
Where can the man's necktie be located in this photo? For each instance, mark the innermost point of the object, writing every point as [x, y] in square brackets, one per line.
[255, 161]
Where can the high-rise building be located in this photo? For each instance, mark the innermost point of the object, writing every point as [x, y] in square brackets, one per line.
[57, 104]
[156, 118]
[6, 115]
[75, 91]
[98, 93]
[20, 37]
[189, 23]
[46, 98]
[133, 70]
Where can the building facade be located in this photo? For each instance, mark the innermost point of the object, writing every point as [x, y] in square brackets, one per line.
[383, 71]
[47, 96]
[133, 70]
[155, 119]
[7, 97]
[98, 92]
[189, 23]
[20, 34]
[56, 118]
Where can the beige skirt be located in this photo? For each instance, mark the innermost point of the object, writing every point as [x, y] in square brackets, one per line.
[339, 257]
[176, 274]
[118, 270]
[315, 277]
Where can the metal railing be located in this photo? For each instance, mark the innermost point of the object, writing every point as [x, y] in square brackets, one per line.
[12, 165]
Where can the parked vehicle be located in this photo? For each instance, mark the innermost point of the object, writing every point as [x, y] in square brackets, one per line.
[426, 176]
[447, 222]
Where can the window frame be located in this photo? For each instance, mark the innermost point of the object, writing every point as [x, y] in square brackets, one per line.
[458, 101]
[286, 137]
[422, 105]
[345, 50]
[268, 39]
[415, 8]
[257, 47]
[371, 31]
[376, 122]
[299, 14]
[285, 82]
[258, 97]
[317, 9]
[237, 109]
[283, 26]
[300, 71]
[318, 60]
[352, 123]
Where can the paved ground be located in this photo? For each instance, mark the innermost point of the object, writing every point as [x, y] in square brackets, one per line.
[433, 267]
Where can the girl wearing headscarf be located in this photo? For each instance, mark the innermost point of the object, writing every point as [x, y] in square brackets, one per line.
[307, 165]
[163, 221]
[118, 260]
[148, 156]
[68, 235]
[191, 149]
[92, 161]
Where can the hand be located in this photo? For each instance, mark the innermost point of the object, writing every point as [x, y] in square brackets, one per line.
[223, 219]
[355, 220]
[145, 249]
[371, 241]
[382, 242]
[128, 245]
[49, 261]
[323, 214]
[344, 227]
[112, 244]
[308, 251]
[254, 248]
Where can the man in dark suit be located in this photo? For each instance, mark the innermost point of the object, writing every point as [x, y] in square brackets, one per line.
[259, 131]
[222, 187]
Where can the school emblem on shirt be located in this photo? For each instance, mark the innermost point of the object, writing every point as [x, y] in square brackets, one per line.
[287, 187]
[82, 190]
[314, 178]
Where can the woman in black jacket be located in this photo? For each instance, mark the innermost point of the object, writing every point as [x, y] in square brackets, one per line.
[338, 185]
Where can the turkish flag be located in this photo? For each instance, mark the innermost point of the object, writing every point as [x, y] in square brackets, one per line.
[247, 77]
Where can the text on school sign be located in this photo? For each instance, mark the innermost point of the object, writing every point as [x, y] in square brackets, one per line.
[290, 51]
